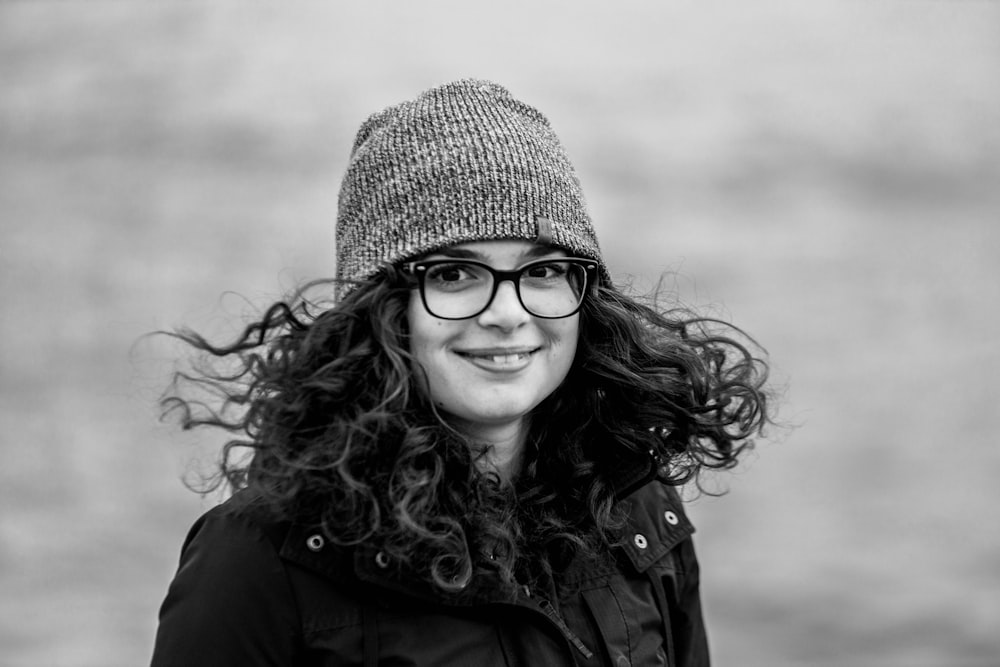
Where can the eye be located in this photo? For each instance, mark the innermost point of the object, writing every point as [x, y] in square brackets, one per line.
[447, 272]
[546, 271]
[453, 275]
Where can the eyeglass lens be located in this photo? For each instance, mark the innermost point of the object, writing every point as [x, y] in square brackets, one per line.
[457, 289]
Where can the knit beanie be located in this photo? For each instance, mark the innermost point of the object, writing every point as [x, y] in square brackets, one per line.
[462, 162]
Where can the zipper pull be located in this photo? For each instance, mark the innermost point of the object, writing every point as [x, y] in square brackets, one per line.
[554, 616]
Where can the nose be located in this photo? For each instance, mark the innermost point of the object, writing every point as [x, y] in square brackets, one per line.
[505, 311]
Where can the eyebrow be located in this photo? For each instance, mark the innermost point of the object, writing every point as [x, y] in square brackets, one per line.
[465, 253]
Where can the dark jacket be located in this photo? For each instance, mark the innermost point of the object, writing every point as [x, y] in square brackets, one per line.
[255, 592]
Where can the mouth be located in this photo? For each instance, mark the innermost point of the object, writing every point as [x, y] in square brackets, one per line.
[499, 359]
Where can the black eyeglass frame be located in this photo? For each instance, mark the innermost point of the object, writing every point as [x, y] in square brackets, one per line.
[418, 272]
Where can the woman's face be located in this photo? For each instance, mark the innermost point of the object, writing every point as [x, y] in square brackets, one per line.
[493, 369]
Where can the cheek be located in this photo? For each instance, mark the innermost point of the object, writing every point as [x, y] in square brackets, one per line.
[420, 328]
[427, 336]
[567, 336]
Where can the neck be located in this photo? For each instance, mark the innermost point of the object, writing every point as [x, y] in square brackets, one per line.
[503, 444]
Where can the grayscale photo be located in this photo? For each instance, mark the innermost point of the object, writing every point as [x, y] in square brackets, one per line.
[533, 334]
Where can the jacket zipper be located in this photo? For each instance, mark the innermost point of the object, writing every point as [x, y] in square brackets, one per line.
[554, 616]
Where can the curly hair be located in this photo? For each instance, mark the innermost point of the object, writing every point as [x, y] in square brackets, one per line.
[344, 437]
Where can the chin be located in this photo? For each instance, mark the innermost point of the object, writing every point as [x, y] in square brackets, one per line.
[498, 413]
[494, 418]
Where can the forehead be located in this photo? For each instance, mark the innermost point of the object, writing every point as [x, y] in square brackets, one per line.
[500, 252]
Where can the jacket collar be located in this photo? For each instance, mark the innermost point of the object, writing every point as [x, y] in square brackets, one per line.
[357, 565]
[656, 524]
[631, 474]
[365, 564]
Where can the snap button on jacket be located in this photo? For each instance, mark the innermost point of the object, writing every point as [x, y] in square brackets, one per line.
[253, 592]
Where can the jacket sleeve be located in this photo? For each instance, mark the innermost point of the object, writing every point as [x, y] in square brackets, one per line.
[686, 620]
[230, 602]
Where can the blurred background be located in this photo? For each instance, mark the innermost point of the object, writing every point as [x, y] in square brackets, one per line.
[824, 174]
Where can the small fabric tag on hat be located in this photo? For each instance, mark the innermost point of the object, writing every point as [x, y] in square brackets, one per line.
[544, 231]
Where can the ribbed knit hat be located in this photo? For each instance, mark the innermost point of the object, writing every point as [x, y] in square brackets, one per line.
[462, 162]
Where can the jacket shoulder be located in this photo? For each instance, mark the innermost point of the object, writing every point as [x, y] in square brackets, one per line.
[245, 509]
[230, 601]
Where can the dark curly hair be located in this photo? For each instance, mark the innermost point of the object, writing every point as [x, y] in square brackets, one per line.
[343, 436]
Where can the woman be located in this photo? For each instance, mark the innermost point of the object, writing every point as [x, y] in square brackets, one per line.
[470, 457]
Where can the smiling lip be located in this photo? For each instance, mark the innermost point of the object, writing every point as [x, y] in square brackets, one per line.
[499, 359]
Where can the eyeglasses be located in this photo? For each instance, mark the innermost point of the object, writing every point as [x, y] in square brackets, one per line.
[459, 289]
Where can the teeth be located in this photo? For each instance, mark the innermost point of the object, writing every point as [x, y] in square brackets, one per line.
[507, 358]
[503, 358]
